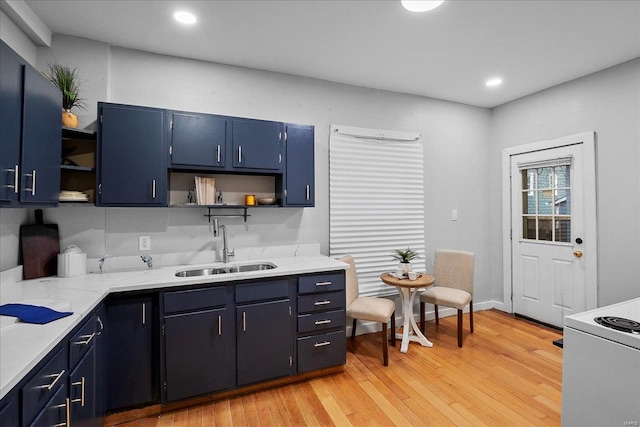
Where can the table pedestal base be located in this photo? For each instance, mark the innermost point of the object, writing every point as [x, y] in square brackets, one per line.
[410, 330]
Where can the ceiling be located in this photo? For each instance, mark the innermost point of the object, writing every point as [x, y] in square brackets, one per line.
[448, 53]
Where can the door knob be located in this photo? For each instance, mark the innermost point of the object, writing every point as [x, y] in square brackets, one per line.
[578, 254]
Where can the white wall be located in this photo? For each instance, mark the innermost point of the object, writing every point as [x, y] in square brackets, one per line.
[607, 102]
[16, 39]
[456, 139]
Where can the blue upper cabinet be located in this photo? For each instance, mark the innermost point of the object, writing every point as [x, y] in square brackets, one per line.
[132, 157]
[30, 133]
[257, 145]
[199, 141]
[299, 189]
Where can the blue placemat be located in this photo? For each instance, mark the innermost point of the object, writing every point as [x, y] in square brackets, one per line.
[32, 313]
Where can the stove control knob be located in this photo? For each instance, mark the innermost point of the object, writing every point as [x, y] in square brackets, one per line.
[578, 254]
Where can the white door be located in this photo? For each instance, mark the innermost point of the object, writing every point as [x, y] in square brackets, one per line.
[553, 231]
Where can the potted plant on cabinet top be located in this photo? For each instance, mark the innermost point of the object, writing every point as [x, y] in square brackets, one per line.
[405, 256]
[66, 79]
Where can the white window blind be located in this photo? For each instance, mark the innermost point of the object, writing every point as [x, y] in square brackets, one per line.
[376, 181]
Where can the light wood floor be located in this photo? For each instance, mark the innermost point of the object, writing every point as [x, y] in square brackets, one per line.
[508, 373]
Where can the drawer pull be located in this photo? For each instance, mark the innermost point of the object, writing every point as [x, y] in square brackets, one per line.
[322, 322]
[58, 376]
[322, 302]
[322, 344]
[86, 341]
[322, 283]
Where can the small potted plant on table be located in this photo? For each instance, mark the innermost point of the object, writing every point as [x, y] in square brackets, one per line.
[405, 256]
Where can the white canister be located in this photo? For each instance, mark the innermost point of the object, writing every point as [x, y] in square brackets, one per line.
[72, 262]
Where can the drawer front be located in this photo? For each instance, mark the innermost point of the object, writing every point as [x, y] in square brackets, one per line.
[321, 302]
[56, 412]
[322, 351]
[82, 341]
[44, 384]
[328, 282]
[262, 291]
[194, 299]
[316, 322]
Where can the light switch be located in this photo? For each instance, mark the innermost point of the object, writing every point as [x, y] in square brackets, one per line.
[454, 215]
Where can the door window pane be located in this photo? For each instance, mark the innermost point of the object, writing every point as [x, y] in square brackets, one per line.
[546, 203]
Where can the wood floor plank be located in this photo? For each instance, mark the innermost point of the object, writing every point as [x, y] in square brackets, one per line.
[508, 372]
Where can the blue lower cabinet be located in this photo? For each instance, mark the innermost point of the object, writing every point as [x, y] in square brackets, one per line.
[82, 386]
[321, 351]
[10, 410]
[195, 349]
[131, 354]
[56, 411]
[264, 341]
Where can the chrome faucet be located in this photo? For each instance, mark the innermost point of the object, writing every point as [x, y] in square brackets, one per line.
[226, 253]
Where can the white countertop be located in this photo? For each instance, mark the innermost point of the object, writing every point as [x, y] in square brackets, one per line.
[23, 345]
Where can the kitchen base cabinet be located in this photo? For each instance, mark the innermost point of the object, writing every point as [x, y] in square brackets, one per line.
[321, 339]
[10, 411]
[82, 404]
[197, 337]
[264, 341]
[131, 352]
[56, 411]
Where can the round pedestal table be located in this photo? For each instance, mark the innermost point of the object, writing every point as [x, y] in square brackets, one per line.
[408, 289]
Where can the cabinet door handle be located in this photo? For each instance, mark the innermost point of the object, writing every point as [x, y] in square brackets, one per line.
[218, 153]
[153, 188]
[65, 405]
[322, 344]
[219, 325]
[308, 192]
[322, 322]
[244, 321]
[33, 182]
[86, 341]
[100, 323]
[144, 313]
[323, 283]
[16, 178]
[240, 154]
[322, 302]
[81, 384]
[58, 376]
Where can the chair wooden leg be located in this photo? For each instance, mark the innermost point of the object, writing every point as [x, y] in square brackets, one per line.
[393, 329]
[471, 315]
[435, 307]
[385, 345]
[459, 328]
[422, 308]
[353, 329]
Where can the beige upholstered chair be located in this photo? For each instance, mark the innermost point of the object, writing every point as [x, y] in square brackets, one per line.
[453, 271]
[369, 308]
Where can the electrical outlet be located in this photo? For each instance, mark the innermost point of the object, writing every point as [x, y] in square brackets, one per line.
[144, 243]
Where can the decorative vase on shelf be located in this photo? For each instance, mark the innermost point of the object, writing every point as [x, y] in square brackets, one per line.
[69, 119]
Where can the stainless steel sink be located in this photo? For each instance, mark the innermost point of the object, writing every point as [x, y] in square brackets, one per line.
[239, 268]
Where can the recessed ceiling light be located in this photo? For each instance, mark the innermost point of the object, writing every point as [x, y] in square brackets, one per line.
[420, 5]
[185, 17]
[493, 82]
